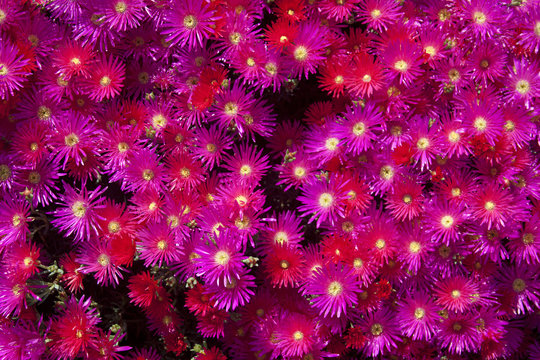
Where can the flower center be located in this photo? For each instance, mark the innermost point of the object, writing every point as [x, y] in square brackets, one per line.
[347, 226]
[447, 221]
[222, 257]
[78, 209]
[284, 264]
[159, 120]
[479, 17]
[161, 245]
[387, 172]
[366, 78]
[299, 172]
[105, 81]
[298, 335]
[335, 288]
[123, 147]
[34, 177]
[114, 227]
[3, 16]
[380, 244]
[455, 294]
[375, 13]
[120, 7]
[376, 329]
[528, 238]
[331, 143]
[358, 263]
[235, 38]
[185, 172]
[71, 140]
[423, 143]
[143, 77]
[103, 260]
[489, 205]
[281, 237]
[415, 247]
[5, 172]
[518, 285]
[407, 199]
[231, 109]
[190, 22]
[480, 123]
[457, 327]
[401, 65]
[211, 148]
[339, 79]
[300, 53]
[359, 129]
[245, 170]
[456, 192]
[147, 174]
[271, 68]
[326, 200]
[250, 62]
[523, 87]
[43, 113]
[454, 137]
[419, 313]
[430, 50]
[454, 75]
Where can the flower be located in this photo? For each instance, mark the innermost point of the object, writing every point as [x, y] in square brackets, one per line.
[323, 200]
[78, 214]
[246, 166]
[74, 331]
[105, 80]
[381, 332]
[95, 257]
[402, 60]
[335, 288]
[190, 22]
[406, 202]
[365, 75]
[455, 293]
[295, 334]
[360, 127]
[123, 14]
[212, 144]
[14, 218]
[13, 70]
[445, 221]
[459, 333]
[307, 49]
[233, 292]
[418, 316]
[157, 244]
[379, 14]
[284, 265]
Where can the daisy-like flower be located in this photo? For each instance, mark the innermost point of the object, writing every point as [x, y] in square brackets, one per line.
[416, 247]
[73, 58]
[234, 292]
[41, 180]
[157, 244]
[190, 22]
[123, 14]
[73, 331]
[524, 81]
[283, 229]
[78, 212]
[365, 75]
[13, 70]
[381, 332]
[143, 289]
[487, 62]
[335, 288]
[379, 14]
[323, 200]
[418, 316]
[14, 218]
[520, 289]
[13, 293]
[406, 202]
[308, 49]
[106, 77]
[74, 139]
[493, 206]
[459, 333]
[220, 260]
[297, 172]
[23, 259]
[456, 293]
[145, 172]
[403, 61]
[212, 143]
[529, 36]
[484, 119]
[323, 143]
[284, 265]
[483, 17]
[360, 127]
[444, 221]
[525, 246]
[96, 257]
[232, 105]
[185, 172]
[295, 334]
[29, 142]
[453, 138]
[246, 166]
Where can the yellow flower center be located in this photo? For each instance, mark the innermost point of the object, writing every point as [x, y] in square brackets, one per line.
[401, 65]
[380, 244]
[185, 172]
[298, 335]
[143, 77]
[34, 177]
[479, 17]
[331, 143]
[114, 227]
[222, 257]
[480, 123]
[523, 87]
[339, 79]
[447, 221]
[358, 263]
[422, 143]
[281, 237]
[528, 238]
[299, 172]
[300, 53]
[271, 68]
[376, 329]
[335, 288]
[419, 313]
[489, 205]
[245, 170]
[250, 62]
[148, 174]
[231, 109]
[120, 7]
[457, 327]
[123, 147]
[78, 209]
[454, 75]
[387, 172]
[415, 247]
[105, 81]
[190, 22]
[455, 294]
[430, 50]
[326, 200]
[454, 137]
[407, 199]
[211, 147]
[284, 264]
[71, 140]
[161, 245]
[235, 38]
[43, 113]
[359, 128]
[366, 78]
[375, 13]
[159, 121]
[103, 260]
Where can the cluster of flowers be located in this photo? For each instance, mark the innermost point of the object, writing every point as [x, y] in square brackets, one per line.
[393, 210]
